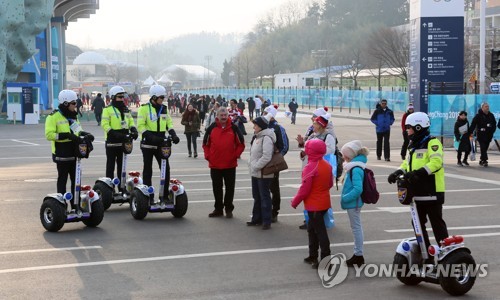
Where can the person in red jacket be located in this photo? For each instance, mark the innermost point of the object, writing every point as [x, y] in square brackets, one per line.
[317, 180]
[223, 144]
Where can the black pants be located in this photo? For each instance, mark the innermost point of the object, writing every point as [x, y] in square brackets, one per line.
[147, 171]
[434, 211]
[406, 142]
[202, 117]
[250, 114]
[64, 169]
[294, 116]
[221, 177]
[385, 137]
[275, 191]
[318, 237]
[114, 155]
[483, 145]
[191, 138]
[98, 118]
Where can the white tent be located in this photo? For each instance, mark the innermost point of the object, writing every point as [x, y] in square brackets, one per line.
[164, 79]
[149, 81]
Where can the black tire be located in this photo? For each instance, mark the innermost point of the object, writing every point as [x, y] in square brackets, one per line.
[139, 205]
[96, 216]
[52, 215]
[402, 269]
[457, 286]
[181, 205]
[105, 194]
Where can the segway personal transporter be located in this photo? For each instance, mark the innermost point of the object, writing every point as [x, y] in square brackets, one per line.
[176, 202]
[454, 268]
[57, 209]
[118, 190]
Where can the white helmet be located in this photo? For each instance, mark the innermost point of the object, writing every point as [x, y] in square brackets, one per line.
[418, 120]
[157, 90]
[67, 96]
[116, 90]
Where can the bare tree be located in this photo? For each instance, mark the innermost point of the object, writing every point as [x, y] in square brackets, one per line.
[391, 46]
[352, 56]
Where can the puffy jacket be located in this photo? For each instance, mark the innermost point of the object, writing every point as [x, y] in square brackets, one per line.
[317, 179]
[383, 119]
[152, 123]
[112, 120]
[484, 124]
[353, 185]
[223, 146]
[55, 124]
[428, 160]
[261, 152]
[194, 118]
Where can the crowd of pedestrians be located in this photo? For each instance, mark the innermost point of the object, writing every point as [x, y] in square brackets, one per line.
[222, 123]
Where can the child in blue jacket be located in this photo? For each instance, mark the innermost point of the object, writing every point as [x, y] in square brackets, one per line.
[355, 156]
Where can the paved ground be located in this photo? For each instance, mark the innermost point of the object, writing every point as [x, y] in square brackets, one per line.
[201, 258]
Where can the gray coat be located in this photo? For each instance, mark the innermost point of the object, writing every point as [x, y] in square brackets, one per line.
[261, 152]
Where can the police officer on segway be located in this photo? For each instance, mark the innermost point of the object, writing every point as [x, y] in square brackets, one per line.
[424, 171]
[63, 129]
[117, 123]
[153, 122]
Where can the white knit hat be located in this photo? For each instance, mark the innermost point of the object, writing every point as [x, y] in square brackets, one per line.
[351, 149]
[271, 110]
[320, 111]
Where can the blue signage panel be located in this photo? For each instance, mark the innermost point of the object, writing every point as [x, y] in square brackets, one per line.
[436, 55]
[444, 110]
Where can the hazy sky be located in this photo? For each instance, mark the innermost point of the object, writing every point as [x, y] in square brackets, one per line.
[127, 25]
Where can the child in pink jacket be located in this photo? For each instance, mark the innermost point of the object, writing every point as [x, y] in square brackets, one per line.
[317, 180]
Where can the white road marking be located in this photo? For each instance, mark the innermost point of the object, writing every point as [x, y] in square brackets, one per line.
[401, 209]
[481, 180]
[395, 209]
[206, 254]
[50, 250]
[28, 143]
[449, 228]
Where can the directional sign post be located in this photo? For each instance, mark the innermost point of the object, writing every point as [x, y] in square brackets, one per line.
[436, 46]
[495, 87]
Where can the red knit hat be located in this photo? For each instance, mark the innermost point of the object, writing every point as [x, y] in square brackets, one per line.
[323, 120]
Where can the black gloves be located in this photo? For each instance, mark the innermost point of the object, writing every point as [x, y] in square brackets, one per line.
[67, 136]
[133, 133]
[152, 139]
[414, 176]
[175, 138]
[116, 135]
[393, 177]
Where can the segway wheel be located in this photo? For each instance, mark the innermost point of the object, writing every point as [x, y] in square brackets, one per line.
[96, 216]
[52, 215]
[139, 205]
[460, 282]
[181, 205]
[105, 194]
[403, 271]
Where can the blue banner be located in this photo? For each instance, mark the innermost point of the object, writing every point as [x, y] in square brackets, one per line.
[315, 97]
[444, 109]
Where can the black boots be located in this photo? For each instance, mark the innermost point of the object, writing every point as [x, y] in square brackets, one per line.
[313, 261]
[355, 261]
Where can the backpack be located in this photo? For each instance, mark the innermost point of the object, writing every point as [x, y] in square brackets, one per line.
[339, 169]
[282, 141]
[370, 195]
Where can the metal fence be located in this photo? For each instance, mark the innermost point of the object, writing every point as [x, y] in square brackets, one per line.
[335, 99]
